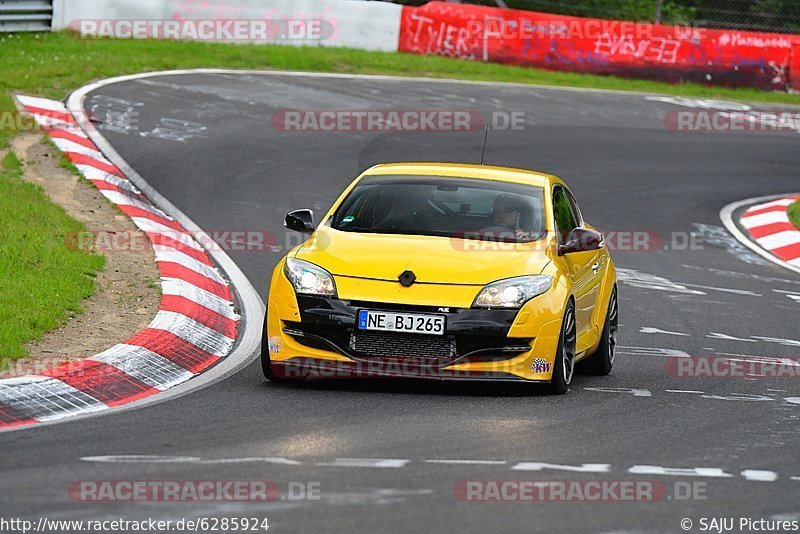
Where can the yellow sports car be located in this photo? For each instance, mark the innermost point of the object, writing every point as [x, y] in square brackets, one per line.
[448, 271]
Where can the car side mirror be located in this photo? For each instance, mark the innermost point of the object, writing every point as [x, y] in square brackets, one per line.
[300, 221]
[581, 240]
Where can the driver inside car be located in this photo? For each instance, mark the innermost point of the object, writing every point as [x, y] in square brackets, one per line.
[506, 217]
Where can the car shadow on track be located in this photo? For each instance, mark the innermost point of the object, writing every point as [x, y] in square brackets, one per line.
[415, 386]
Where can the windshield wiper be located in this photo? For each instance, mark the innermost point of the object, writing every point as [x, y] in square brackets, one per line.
[362, 229]
[396, 231]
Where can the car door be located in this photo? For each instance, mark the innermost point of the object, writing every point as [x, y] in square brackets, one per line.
[598, 267]
[582, 267]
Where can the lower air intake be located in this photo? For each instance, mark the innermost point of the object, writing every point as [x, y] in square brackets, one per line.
[394, 345]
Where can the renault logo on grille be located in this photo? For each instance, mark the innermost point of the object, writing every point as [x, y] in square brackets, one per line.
[407, 278]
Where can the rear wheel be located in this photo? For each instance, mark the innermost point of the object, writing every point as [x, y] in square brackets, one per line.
[564, 366]
[602, 360]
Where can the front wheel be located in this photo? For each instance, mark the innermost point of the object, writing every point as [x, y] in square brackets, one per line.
[564, 366]
[602, 360]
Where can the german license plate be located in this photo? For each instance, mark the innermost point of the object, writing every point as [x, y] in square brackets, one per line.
[412, 323]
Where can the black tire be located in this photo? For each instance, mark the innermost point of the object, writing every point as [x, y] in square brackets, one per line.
[601, 361]
[266, 363]
[564, 367]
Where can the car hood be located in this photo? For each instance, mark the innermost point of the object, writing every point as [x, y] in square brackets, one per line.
[441, 260]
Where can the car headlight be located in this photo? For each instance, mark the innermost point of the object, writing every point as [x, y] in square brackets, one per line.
[309, 279]
[512, 292]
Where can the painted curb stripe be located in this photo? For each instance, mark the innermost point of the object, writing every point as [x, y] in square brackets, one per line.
[193, 332]
[10, 416]
[142, 213]
[95, 160]
[45, 398]
[83, 159]
[176, 270]
[777, 205]
[171, 255]
[66, 145]
[780, 240]
[155, 230]
[780, 202]
[763, 219]
[118, 194]
[106, 383]
[163, 240]
[769, 229]
[37, 102]
[144, 365]
[59, 115]
[150, 225]
[107, 186]
[181, 288]
[174, 349]
[203, 315]
[71, 136]
[95, 174]
[769, 225]
[789, 252]
[194, 328]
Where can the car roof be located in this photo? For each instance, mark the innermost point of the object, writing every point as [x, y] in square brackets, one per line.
[465, 170]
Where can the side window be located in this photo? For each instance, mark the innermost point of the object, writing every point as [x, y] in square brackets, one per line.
[575, 209]
[563, 215]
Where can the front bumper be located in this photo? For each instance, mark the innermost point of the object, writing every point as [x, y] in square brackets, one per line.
[313, 336]
[477, 335]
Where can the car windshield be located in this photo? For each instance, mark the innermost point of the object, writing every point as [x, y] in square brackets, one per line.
[443, 206]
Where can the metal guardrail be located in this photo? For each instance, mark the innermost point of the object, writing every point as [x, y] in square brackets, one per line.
[26, 15]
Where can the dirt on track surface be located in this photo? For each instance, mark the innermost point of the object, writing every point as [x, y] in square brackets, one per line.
[127, 295]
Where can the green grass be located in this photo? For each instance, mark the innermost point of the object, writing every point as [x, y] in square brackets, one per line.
[53, 64]
[794, 214]
[42, 278]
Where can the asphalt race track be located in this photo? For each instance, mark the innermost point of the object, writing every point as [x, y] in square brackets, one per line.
[383, 451]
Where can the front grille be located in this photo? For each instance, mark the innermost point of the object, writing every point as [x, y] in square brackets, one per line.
[399, 345]
[413, 349]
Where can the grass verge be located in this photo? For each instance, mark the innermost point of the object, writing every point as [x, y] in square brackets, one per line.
[52, 64]
[794, 213]
[42, 278]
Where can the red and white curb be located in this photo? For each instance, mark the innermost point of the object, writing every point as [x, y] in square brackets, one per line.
[762, 225]
[194, 328]
[769, 225]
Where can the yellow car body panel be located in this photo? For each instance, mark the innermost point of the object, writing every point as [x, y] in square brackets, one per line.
[450, 272]
[437, 260]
